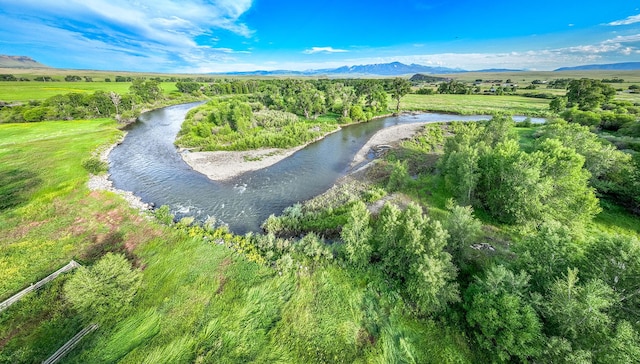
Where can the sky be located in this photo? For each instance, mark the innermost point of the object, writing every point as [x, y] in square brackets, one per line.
[202, 36]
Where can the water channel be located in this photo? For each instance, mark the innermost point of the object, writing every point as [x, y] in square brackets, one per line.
[148, 164]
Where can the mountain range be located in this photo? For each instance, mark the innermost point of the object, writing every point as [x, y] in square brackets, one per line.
[19, 62]
[382, 69]
[625, 66]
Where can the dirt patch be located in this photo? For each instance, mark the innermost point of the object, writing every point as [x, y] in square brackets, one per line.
[23, 230]
[222, 268]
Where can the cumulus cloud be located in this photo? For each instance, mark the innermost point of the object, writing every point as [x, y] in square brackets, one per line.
[162, 31]
[630, 20]
[315, 50]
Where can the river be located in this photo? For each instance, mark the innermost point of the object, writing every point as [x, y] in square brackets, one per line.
[148, 164]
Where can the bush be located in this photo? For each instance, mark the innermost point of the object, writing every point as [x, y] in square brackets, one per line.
[164, 215]
[104, 289]
[399, 176]
[356, 113]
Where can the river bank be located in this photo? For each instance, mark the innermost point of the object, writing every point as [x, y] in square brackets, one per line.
[225, 165]
[102, 182]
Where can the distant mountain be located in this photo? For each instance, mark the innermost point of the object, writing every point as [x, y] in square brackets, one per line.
[389, 69]
[384, 69]
[625, 66]
[19, 62]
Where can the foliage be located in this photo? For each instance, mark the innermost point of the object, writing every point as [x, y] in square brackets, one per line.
[463, 228]
[399, 88]
[146, 90]
[588, 94]
[164, 215]
[578, 312]
[356, 235]
[485, 166]
[612, 172]
[399, 176]
[411, 247]
[104, 289]
[453, 87]
[546, 254]
[504, 322]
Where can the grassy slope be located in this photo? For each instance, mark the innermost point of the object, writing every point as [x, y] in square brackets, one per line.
[44, 195]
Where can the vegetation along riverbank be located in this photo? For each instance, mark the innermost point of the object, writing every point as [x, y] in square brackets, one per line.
[464, 242]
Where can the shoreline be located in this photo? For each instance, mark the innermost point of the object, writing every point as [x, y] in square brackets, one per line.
[102, 182]
[225, 165]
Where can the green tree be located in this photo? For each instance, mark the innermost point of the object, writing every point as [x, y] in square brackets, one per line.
[146, 90]
[386, 231]
[624, 346]
[356, 235]
[579, 312]
[308, 99]
[399, 176]
[102, 290]
[546, 253]
[399, 88]
[187, 87]
[239, 115]
[589, 94]
[417, 260]
[570, 199]
[461, 173]
[503, 320]
[615, 260]
[510, 185]
[462, 227]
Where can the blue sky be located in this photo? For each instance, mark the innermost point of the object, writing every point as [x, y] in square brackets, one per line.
[195, 36]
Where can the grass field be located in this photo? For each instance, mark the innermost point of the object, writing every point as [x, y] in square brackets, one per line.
[41, 181]
[35, 90]
[476, 104]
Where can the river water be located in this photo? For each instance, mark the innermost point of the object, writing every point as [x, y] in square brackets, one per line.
[148, 164]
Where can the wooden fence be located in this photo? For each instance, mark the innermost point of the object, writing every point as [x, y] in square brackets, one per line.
[15, 298]
[64, 349]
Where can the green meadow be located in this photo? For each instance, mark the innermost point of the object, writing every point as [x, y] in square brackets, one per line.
[476, 104]
[12, 91]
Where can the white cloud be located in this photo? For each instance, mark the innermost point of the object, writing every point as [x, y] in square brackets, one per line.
[630, 20]
[121, 33]
[315, 50]
[624, 39]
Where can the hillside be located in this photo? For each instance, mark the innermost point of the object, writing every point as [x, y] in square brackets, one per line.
[19, 62]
